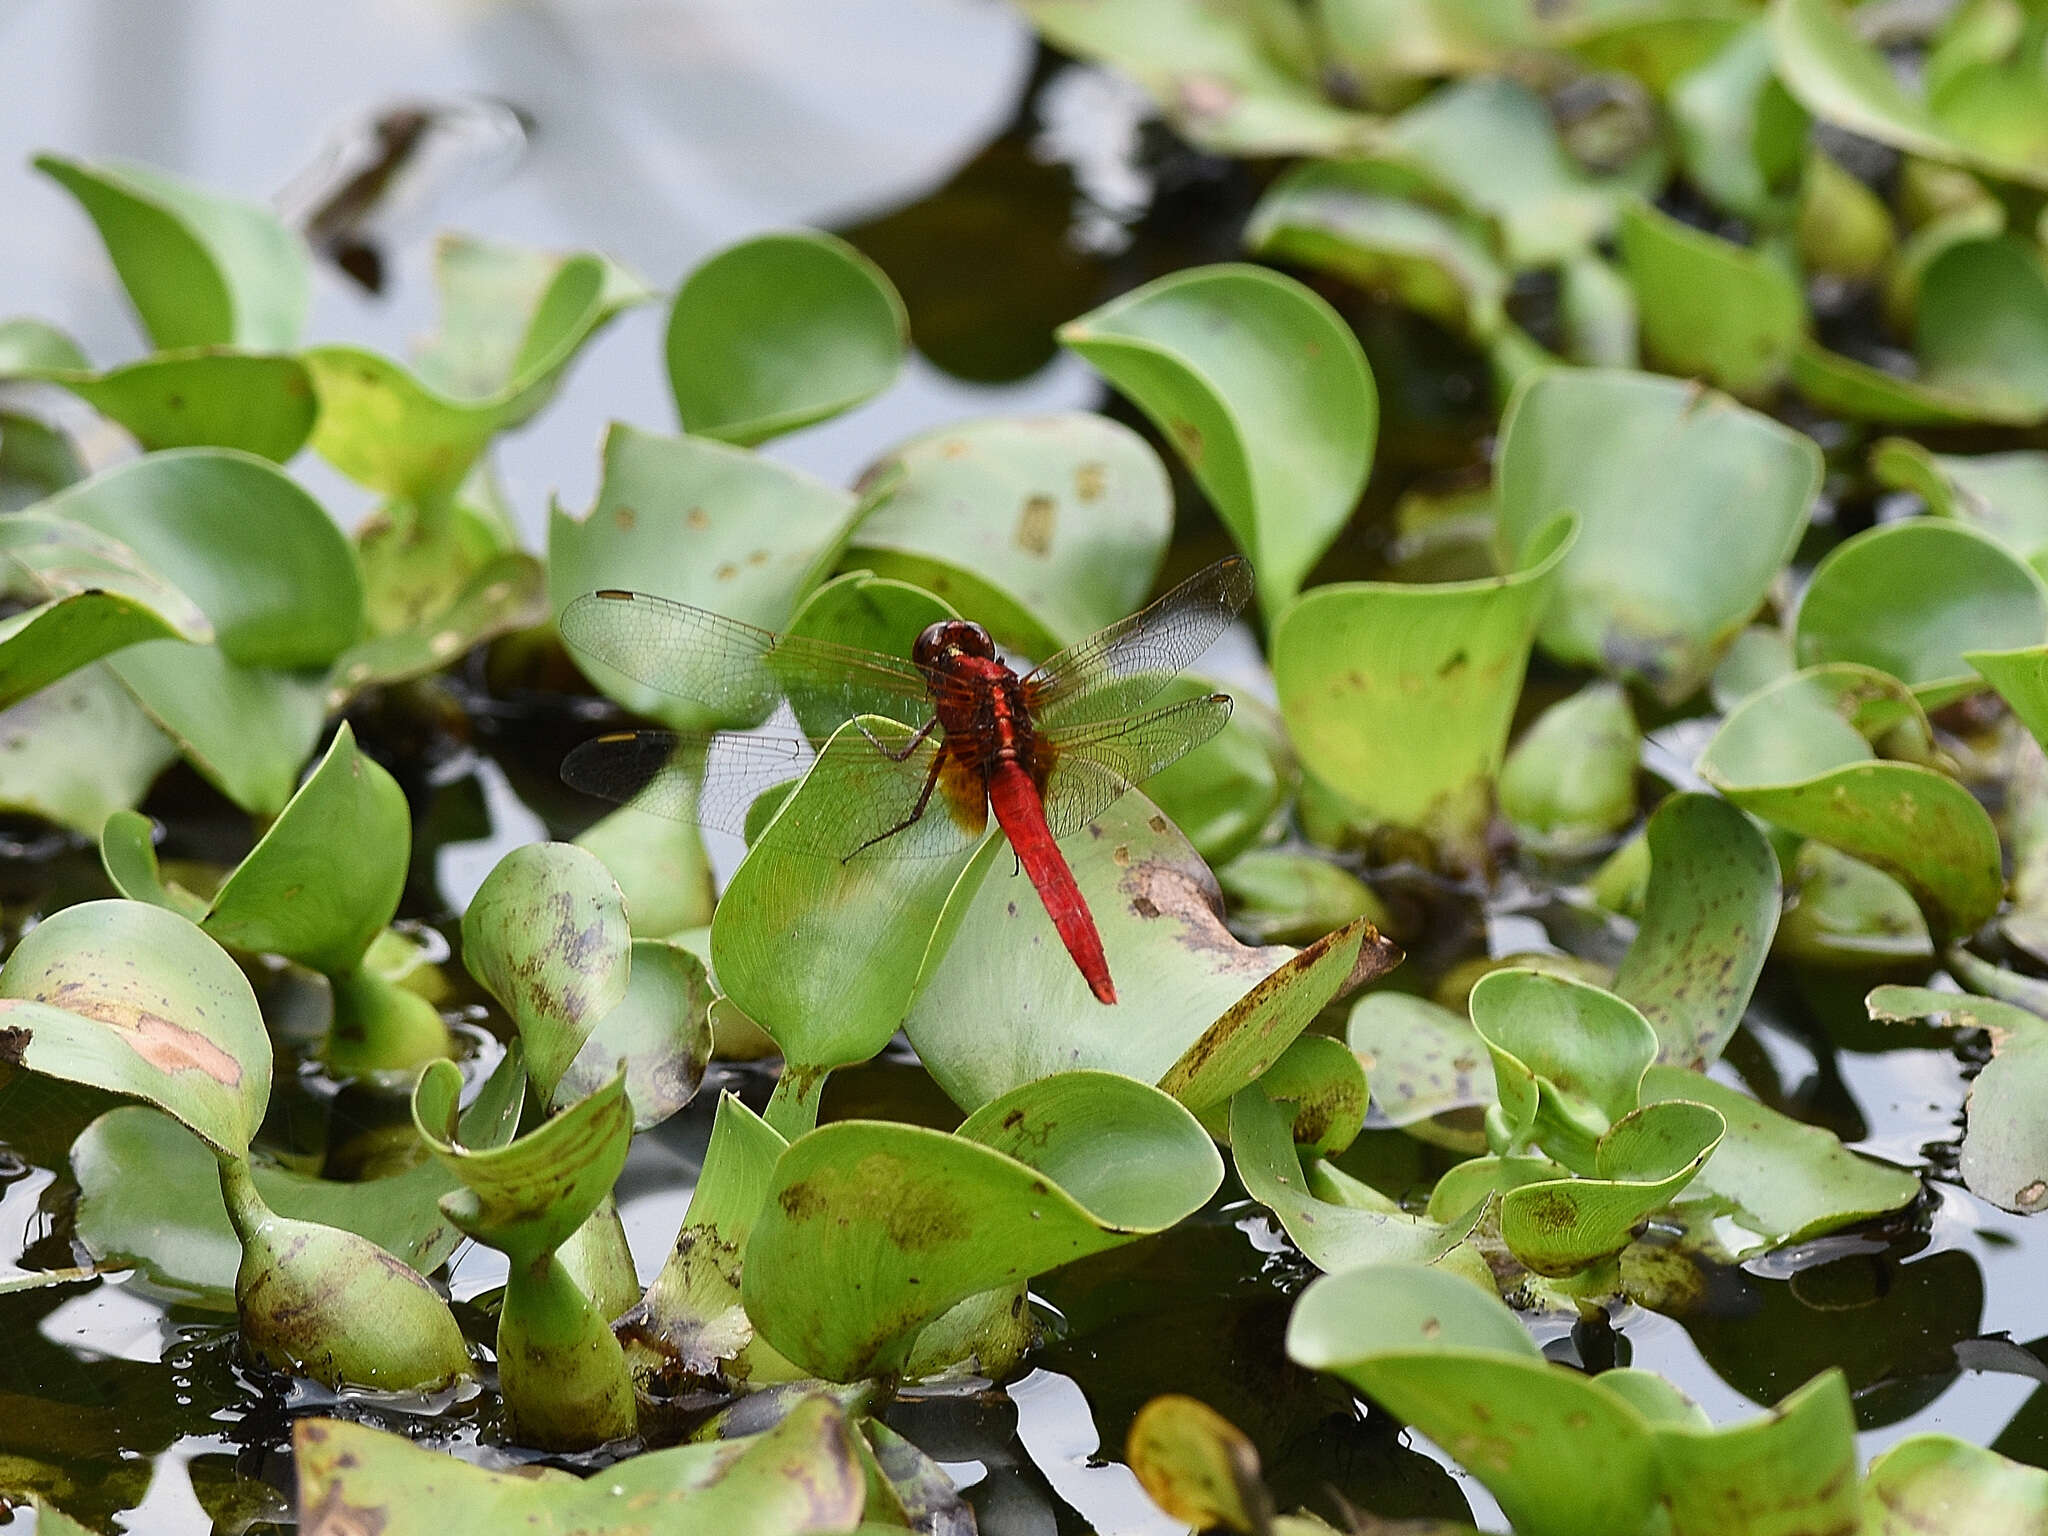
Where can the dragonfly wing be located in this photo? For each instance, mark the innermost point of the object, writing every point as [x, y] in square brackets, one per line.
[736, 671]
[861, 793]
[1116, 670]
[1095, 763]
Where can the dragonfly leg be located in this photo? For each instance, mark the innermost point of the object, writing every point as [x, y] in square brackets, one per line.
[924, 799]
[917, 740]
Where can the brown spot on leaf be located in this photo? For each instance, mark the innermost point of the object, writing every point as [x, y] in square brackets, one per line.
[697, 519]
[1090, 480]
[335, 1516]
[1188, 436]
[1035, 524]
[165, 1045]
[625, 518]
[2033, 1197]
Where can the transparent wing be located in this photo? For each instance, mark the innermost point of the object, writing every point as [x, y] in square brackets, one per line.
[735, 670]
[1115, 670]
[1092, 764]
[714, 778]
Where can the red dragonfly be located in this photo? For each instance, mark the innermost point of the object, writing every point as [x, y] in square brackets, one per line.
[1047, 751]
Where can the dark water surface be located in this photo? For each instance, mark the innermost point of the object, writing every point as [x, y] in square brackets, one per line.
[1004, 192]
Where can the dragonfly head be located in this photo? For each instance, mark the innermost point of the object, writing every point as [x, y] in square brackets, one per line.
[943, 641]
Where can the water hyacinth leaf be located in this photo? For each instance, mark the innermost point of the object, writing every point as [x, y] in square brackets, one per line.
[1198, 1466]
[1927, 1479]
[1861, 391]
[1042, 528]
[1570, 783]
[871, 925]
[2002, 494]
[1780, 1180]
[659, 1032]
[29, 346]
[1844, 229]
[1739, 134]
[691, 1326]
[804, 1475]
[79, 750]
[91, 596]
[873, 612]
[1494, 141]
[696, 522]
[1006, 1005]
[1393, 230]
[128, 854]
[546, 934]
[202, 269]
[1982, 324]
[1597, 310]
[1561, 1455]
[149, 1196]
[1795, 754]
[1840, 911]
[1332, 1237]
[2004, 1155]
[415, 435]
[248, 730]
[127, 997]
[1910, 598]
[1421, 1059]
[1263, 390]
[1843, 80]
[1278, 896]
[325, 1303]
[1399, 698]
[287, 898]
[1568, 1059]
[660, 866]
[1637, 598]
[256, 402]
[1640, 1165]
[780, 331]
[874, 1229]
[2021, 678]
[1321, 1085]
[262, 559]
[1709, 308]
[1710, 911]
[1217, 75]
[36, 460]
[1796, 1463]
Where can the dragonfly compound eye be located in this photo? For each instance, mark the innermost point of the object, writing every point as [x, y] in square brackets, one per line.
[949, 636]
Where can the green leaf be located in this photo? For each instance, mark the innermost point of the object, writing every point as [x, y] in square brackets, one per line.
[701, 523]
[1280, 896]
[127, 997]
[1399, 698]
[507, 593]
[2021, 678]
[2004, 1155]
[1392, 229]
[1710, 309]
[1840, 911]
[416, 435]
[1563, 1456]
[1567, 1061]
[1640, 1164]
[1006, 1005]
[1332, 1237]
[1791, 1470]
[2002, 494]
[36, 460]
[1421, 1059]
[1225, 794]
[1796, 754]
[79, 750]
[874, 1229]
[92, 596]
[1782, 1181]
[1321, 1085]
[149, 1197]
[1570, 782]
[1844, 81]
[1910, 598]
[1198, 1466]
[1930, 1481]
[804, 1475]
[1739, 134]
[1042, 528]
[1710, 910]
[259, 403]
[546, 935]
[661, 868]
[870, 928]
[1231, 78]
[1844, 229]
[659, 1033]
[780, 331]
[1638, 598]
[248, 730]
[1265, 393]
[202, 269]
[258, 555]
[289, 897]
